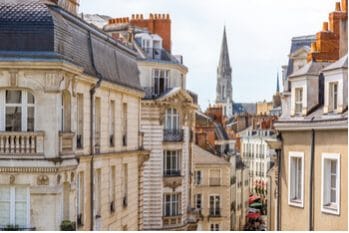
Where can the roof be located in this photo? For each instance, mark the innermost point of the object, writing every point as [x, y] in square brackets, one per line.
[201, 156]
[341, 63]
[311, 68]
[250, 108]
[224, 62]
[30, 29]
[297, 43]
[220, 132]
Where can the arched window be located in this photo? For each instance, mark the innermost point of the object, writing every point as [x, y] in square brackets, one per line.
[19, 110]
[172, 119]
[66, 112]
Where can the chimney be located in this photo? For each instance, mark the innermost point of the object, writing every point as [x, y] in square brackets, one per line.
[313, 47]
[344, 5]
[325, 26]
[338, 6]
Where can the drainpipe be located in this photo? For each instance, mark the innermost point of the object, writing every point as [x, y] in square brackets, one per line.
[92, 151]
[279, 157]
[312, 154]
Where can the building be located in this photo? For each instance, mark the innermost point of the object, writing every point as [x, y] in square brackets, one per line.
[211, 189]
[167, 121]
[312, 186]
[69, 160]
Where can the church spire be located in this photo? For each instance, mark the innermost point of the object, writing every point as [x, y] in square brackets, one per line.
[224, 86]
[277, 84]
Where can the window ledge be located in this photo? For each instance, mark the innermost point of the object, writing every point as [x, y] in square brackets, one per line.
[296, 203]
[330, 209]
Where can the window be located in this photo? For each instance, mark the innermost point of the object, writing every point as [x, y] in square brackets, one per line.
[80, 121]
[215, 205]
[160, 81]
[172, 119]
[66, 112]
[296, 179]
[98, 193]
[330, 185]
[124, 124]
[333, 101]
[172, 163]
[111, 123]
[215, 227]
[172, 204]
[197, 177]
[98, 124]
[112, 185]
[14, 205]
[80, 198]
[19, 110]
[198, 201]
[124, 186]
[298, 100]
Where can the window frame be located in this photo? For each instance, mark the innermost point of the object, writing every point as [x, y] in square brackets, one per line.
[168, 154]
[333, 96]
[172, 116]
[196, 172]
[300, 155]
[298, 101]
[330, 156]
[196, 200]
[172, 202]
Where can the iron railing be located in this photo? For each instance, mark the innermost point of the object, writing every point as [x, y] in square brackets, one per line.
[173, 135]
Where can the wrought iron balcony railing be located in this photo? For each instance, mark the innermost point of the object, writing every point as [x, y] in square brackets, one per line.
[173, 135]
[172, 173]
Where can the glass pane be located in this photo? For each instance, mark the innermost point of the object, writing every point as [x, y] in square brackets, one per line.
[13, 97]
[333, 167]
[30, 98]
[13, 119]
[21, 194]
[4, 213]
[30, 119]
[21, 213]
[333, 196]
[333, 181]
[4, 193]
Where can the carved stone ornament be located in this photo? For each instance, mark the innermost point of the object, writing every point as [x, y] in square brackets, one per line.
[13, 78]
[12, 179]
[42, 180]
[53, 81]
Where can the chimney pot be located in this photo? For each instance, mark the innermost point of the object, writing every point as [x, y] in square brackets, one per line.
[168, 16]
[313, 47]
[133, 16]
[150, 16]
[344, 5]
[141, 16]
[325, 26]
[338, 6]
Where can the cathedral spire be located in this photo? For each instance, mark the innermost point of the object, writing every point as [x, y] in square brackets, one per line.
[277, 84]
[224, 86]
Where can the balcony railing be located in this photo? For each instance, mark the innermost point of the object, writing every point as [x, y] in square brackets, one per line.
[214, 181]
[215, 212]
[173, 135]
[27, 143]
[172, 173]
[66, 143]
[172, 220]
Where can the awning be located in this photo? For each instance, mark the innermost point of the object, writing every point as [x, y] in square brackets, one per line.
[256, 204]
[252, 199]
[253, 215]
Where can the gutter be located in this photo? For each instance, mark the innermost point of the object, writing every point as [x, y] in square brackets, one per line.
[92, 149]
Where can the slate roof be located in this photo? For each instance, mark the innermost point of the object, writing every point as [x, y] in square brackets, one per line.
[250, 108]
[341, 63]
[30, 29]
[297, 43]
[202, 156]
[312, 69]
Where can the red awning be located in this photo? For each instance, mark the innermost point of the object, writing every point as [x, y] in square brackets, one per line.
[252, 199]
[253, 215]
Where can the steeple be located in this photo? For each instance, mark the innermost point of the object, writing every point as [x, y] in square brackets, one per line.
[277, 84]
[224, 87]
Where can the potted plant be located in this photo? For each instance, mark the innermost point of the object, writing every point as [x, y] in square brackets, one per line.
[68, 225]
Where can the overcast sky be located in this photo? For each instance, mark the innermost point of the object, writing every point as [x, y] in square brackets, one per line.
[259, 36]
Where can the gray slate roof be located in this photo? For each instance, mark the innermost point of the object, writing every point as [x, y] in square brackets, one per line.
[311, 68]
[30, 29]
[341, 63]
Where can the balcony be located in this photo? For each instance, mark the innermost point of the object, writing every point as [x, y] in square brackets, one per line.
[171, 221]
[66, 143]
[214, 181]
[22, 143]
[173, 135]
[172, 173]
[172, 178]
[215, 212]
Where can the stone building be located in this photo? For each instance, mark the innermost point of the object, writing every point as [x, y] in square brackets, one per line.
[312, 177]
[167, 121]
[70, 101]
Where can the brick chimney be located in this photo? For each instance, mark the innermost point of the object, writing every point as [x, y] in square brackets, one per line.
[159, 24]
[69, 5]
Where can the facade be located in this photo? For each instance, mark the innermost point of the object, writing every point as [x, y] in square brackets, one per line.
[211, 189]
[63, 158]
[167, 121]
[314, 132]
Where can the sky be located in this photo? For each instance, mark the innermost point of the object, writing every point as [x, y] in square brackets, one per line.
[259, 34]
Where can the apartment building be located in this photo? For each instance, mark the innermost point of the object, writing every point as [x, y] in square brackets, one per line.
[70, 149]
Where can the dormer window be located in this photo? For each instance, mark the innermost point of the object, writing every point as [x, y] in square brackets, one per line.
[160, 81]
[333, 96]
[298, 100]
